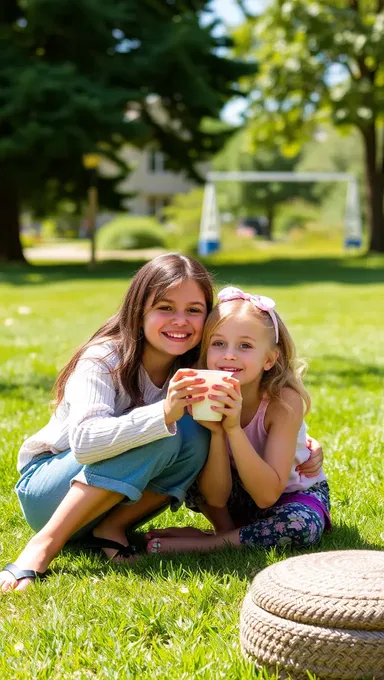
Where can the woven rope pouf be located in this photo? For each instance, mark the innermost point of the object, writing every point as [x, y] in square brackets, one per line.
[322, 612]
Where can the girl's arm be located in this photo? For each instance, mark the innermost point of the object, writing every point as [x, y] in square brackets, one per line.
[95, 433]
[215, 480]
[266, 478]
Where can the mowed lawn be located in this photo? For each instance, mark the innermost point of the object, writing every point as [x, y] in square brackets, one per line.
[178, 617]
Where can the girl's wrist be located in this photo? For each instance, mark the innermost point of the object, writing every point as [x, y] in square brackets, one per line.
[234, 430]
[218, 435]
[167, 419]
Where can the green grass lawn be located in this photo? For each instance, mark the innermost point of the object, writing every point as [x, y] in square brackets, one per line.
[177, 617]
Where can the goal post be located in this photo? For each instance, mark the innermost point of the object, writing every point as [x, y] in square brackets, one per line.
[209, 239]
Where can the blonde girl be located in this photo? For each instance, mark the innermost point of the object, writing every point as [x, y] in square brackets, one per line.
[251, 488]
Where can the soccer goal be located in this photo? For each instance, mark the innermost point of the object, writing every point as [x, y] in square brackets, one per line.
[209, 239]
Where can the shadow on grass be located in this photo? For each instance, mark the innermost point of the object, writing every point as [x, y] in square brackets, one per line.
[342, 372]
[287, 271]
[27, 389]
[278, 271]
[35, 275]
[243, 563]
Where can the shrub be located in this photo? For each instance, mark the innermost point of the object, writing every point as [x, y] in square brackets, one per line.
[296, 214]
[183, 216]
[131, 232]
[29, 239]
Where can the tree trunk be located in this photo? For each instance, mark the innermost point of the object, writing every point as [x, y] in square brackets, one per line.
[270, 217]
[375, 191]
[10, 245]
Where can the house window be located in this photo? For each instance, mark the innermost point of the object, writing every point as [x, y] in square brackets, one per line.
[152, 207]
[155, 161]
[156, 205]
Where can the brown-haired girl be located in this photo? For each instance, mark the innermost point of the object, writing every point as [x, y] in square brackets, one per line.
[119, 445]
[251, 488]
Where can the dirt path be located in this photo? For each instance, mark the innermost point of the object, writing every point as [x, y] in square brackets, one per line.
[68, 252]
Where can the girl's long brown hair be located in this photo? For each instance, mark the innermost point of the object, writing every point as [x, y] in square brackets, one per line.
[125, 327]
[287, 370]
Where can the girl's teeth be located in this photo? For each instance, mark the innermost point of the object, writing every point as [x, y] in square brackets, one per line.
[176, 335]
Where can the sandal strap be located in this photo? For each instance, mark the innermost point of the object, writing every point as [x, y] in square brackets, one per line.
[18, 574]
[126, 551]
[122, 550]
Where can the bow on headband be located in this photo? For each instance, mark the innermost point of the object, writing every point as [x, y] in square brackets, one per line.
[266, 304]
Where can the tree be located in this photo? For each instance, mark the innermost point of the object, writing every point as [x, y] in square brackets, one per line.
[331, 151]
[319, 61]
[81, 76]
[183, 216]
[250, 198]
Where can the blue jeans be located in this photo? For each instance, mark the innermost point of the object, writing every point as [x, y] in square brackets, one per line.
[166, 466]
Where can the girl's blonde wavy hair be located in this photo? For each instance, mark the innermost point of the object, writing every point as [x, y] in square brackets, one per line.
[287, 370]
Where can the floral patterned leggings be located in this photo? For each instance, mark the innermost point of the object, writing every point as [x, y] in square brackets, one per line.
[291, 525]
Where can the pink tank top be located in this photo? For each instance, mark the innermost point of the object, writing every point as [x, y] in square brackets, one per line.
[257, 435]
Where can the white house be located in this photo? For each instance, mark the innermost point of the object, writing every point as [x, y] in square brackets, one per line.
[153, 185]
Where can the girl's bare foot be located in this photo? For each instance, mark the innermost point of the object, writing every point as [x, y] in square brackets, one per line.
[201, 543]
[177, 532]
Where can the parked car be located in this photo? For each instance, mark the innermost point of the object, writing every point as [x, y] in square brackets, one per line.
[252, 226]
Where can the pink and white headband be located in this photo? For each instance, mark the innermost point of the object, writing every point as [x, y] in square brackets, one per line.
[266, 304]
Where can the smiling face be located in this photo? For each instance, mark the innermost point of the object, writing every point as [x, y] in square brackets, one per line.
[174, 325]
[241, 344]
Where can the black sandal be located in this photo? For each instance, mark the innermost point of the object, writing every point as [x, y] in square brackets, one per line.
[18, 574]
[95, 543]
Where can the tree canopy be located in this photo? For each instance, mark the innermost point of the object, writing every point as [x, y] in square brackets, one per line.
[81, 76]
[322, 61]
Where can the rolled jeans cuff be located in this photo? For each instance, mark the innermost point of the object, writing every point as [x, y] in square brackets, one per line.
[131, 492]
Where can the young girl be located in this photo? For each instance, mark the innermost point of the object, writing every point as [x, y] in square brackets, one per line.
[119, 445]
[250, 487]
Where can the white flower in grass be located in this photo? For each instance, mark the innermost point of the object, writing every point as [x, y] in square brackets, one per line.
[24, 310]
[9, 322]
[19, 647]
[184, 589]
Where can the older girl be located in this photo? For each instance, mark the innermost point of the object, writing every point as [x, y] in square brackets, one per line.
[119, 445]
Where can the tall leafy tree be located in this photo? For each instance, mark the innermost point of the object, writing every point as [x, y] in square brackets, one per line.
[79, 76]
[323, 60]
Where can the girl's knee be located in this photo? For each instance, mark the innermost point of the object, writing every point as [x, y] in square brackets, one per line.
[309, 533]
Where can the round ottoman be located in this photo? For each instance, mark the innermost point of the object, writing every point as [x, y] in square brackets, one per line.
[322, 612]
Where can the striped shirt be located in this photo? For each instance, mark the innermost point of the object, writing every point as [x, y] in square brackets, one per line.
[95, 419]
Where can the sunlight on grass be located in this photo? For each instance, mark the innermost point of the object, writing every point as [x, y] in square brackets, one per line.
[178, 617]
